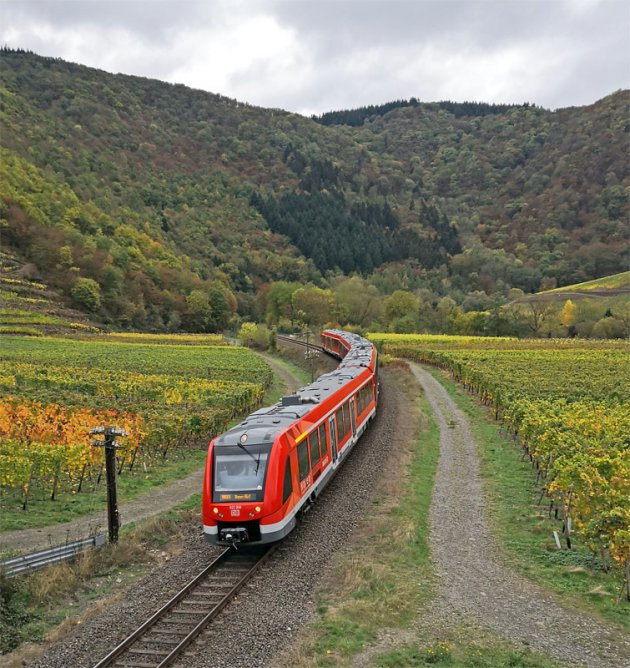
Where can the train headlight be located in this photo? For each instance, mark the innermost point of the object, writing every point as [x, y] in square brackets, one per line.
[215, 510]
[257, 509]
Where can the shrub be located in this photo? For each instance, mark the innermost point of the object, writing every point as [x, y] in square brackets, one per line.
[86, 292]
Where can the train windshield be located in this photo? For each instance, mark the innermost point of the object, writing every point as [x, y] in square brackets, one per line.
[239, 469]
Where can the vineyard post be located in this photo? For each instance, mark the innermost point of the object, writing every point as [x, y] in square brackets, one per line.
[110, 444]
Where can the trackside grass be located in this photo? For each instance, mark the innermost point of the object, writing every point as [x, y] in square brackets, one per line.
[47, 605]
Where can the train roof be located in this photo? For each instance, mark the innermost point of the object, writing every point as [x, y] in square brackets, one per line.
[265, 424]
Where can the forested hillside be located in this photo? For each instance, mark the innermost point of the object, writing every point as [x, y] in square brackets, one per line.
[174, 208]
[548, 188]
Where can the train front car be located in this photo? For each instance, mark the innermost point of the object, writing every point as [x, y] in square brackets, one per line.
[263, 472]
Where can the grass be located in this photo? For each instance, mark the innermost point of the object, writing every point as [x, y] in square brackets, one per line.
[42, 511]
[303, 375]
[524, 528]
[472, 655]
[48, 604]
[22, 317]
[386, 575]
[18, 329]
[615, 281]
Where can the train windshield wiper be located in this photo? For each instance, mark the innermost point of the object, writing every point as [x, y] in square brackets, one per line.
[244, 449]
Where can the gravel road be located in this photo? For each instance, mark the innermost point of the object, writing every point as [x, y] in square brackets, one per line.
[266, 616]
[472, 579]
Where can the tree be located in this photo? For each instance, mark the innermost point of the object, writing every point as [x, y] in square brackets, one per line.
[198, 316]
[222, 304]
[360, 301]
[536, 313]
[402, 306]
[247, 333]
[568, 317]
[313, 305]
[569, 313]
[280, 301]
[86, 292]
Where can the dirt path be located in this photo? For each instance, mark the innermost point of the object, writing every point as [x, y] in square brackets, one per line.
[472, 579]
[291, 383]
[147, 505]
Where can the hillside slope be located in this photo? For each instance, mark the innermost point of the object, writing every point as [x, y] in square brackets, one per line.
[182, 204]
[547, 187]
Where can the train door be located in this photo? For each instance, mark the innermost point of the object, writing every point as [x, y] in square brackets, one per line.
[353, 416]
[333, 438]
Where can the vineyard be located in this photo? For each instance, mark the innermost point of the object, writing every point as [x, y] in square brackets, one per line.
[567, 403]
[168, 396]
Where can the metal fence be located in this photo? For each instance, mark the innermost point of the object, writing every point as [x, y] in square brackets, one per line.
[53, 555]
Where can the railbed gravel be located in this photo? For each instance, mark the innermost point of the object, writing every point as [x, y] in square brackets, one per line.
[97, 636]
[267, 615]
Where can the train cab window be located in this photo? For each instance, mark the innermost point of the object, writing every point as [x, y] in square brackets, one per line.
[322, 440]
[288, 483]
[240, 470]
[303, 459]
[313, 446]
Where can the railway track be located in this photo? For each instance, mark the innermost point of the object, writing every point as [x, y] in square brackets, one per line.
[164, 637]
[299, 342]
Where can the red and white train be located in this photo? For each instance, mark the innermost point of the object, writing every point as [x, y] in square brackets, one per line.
[262, 473]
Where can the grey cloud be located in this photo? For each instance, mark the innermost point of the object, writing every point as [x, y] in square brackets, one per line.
[149, 18]
[334, 36]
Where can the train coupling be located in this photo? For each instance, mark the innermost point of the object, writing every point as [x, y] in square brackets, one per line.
[234, 535]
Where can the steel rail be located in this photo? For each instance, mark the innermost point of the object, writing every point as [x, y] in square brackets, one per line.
[139, 635]
[299, 342]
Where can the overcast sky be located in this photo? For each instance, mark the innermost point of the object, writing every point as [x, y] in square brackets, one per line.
[311, 56]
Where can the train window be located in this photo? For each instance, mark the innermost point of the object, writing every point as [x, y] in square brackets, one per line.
[346, 418]
[322, 439]
[339, 421]
[288, 483]
[313, 446]
[303, 459]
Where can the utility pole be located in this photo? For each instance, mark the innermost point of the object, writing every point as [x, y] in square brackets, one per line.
[110, 444]
[308, 354]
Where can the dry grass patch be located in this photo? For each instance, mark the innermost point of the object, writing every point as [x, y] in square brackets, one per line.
[48, 604]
